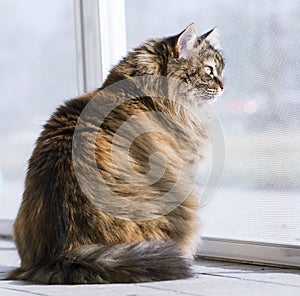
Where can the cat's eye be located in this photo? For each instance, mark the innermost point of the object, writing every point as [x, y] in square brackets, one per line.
[208, 70]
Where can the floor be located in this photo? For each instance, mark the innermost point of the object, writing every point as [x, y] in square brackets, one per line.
[211, 278]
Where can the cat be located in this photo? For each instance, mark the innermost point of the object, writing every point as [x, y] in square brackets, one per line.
[64, 231]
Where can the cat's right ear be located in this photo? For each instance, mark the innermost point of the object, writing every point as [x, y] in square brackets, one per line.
[185, 42]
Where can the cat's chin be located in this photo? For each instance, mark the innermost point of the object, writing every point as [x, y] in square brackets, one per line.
[205, 99]
[213, 99]
[200, 101]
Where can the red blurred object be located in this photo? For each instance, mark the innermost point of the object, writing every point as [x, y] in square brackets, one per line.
[239, 107]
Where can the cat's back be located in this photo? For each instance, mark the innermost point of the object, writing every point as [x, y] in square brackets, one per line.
[51, 159]
[64, 119]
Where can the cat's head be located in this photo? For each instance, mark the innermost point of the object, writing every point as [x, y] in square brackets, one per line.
[197, 61]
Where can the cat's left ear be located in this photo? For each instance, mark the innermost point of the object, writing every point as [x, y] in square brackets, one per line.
[212, 37]
[185, 43]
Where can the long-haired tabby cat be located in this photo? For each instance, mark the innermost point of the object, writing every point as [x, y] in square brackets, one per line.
[62, 234]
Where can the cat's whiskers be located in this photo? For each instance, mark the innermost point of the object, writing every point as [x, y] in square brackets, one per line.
[211, 92]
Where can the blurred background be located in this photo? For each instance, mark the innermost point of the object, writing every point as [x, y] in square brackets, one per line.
[259, 111]
[37, 73]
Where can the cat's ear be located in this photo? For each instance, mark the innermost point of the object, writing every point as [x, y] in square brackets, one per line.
[185, 42]
[212, 37]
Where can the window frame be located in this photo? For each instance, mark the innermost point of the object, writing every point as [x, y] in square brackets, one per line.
[248, 251]
[101, 41]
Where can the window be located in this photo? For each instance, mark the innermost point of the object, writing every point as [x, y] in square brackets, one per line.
[254, 214]
[37, 73]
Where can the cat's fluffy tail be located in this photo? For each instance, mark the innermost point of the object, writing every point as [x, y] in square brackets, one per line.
[98, 264]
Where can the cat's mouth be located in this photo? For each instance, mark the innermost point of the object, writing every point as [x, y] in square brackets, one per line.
[211, 93]
[207, 94]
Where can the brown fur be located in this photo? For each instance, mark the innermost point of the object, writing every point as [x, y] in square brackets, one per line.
[65, 237]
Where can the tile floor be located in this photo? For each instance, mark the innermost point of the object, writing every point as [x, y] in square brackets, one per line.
[211, 278]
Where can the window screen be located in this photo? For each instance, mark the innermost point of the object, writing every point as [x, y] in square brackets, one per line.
[259, 197]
